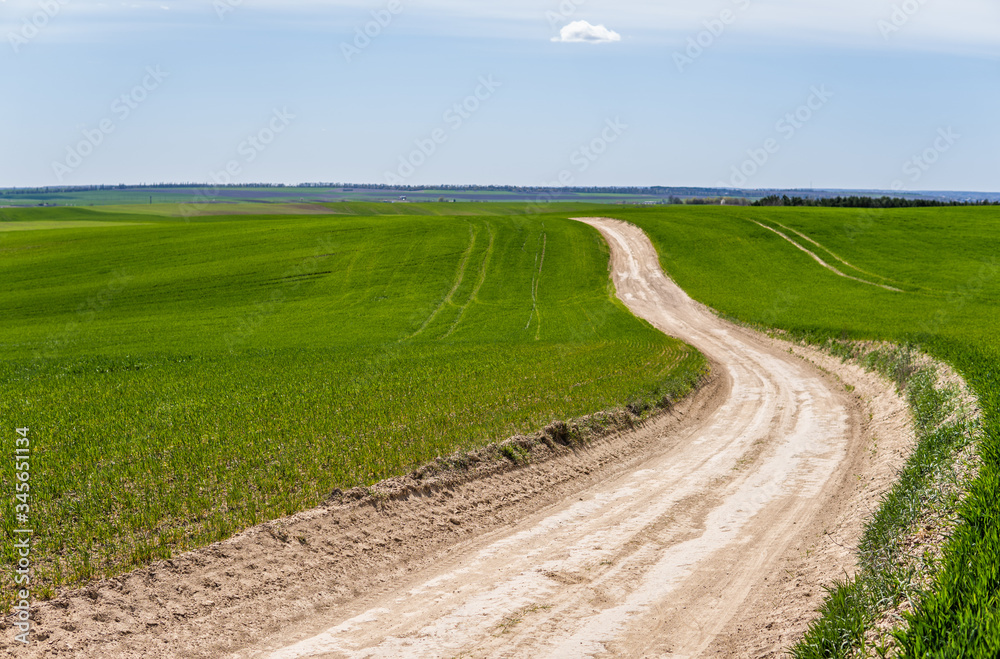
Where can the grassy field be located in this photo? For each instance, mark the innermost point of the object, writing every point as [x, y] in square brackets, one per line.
[183, 380]
[946, 265]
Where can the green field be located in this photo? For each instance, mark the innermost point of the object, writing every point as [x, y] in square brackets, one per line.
[184, 379]
[946, 263]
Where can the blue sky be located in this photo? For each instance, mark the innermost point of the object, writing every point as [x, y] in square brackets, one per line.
[774, 93]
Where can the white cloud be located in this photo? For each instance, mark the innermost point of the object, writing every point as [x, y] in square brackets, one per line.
[582, 31]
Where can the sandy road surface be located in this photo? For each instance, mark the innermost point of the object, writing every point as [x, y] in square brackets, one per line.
[657, 561]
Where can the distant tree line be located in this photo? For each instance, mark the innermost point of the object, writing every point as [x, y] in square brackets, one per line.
[521, 189]
[122, 186]
[865, 202]
[716, 201]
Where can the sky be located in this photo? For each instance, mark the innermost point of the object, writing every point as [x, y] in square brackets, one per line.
[850, 94]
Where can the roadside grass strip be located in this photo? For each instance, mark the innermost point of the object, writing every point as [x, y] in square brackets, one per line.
[894, 566]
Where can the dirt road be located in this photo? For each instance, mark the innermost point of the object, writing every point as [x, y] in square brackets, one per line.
[708, 532]
[658, 561]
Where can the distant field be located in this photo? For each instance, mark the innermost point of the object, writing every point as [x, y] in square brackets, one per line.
[947, 264]
[186, 379]
[221, 208]
[59, 224]
[353, 208]
[209, 195]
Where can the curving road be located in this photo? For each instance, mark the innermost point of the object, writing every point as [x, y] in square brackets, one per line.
[657, 561]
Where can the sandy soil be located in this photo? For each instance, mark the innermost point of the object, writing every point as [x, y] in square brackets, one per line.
[707, 532]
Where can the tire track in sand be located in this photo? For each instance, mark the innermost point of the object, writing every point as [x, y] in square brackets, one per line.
[539, 263]
[459, 277]
[833, 254]
[824, 263]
